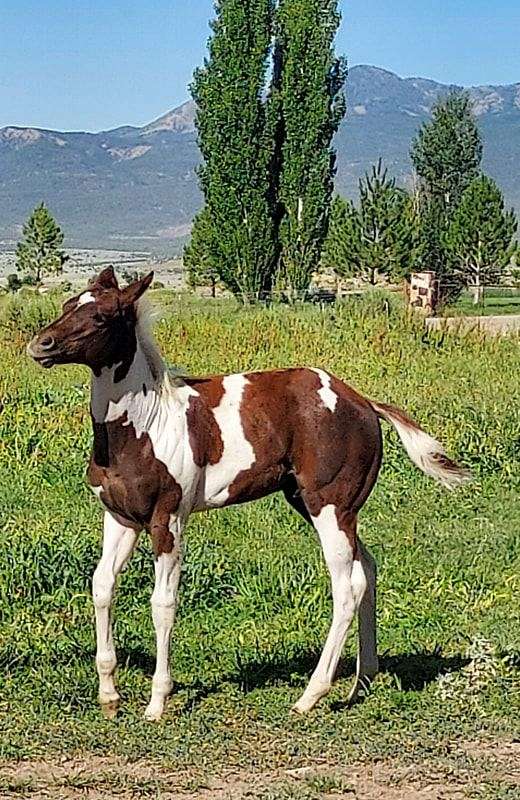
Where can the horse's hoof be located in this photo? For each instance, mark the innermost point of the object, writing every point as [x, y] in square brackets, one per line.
[306, 704]
[153, 713]
[110, 709]
[309, 698]
[300, 709]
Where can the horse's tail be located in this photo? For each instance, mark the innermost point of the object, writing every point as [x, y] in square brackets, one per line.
[426, 453]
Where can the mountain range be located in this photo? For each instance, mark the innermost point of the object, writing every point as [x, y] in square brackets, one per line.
[136, 188]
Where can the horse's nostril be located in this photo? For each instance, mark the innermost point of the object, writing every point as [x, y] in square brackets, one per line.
[47, 342]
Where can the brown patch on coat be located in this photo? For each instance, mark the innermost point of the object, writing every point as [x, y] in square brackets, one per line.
[317, 457]
[135, 486]
[204, 433]
[210, 388]
[265, 417]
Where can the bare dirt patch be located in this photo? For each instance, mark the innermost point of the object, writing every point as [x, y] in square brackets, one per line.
[471, 770]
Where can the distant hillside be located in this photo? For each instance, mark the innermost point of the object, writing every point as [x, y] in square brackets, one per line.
[137, 187]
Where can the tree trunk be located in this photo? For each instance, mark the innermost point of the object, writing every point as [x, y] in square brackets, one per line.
[478, 294]
[478, 289]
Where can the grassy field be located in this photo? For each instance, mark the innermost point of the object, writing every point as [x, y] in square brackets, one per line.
[254, 610]
[495, 300]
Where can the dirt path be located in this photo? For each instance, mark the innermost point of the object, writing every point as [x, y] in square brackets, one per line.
[470, 771]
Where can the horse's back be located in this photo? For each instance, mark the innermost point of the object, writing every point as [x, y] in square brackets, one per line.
[282, 424]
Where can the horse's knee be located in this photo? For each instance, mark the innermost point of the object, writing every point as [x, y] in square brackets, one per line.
[102, 588]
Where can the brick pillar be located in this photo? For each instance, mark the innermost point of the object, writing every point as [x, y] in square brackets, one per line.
[424, 292]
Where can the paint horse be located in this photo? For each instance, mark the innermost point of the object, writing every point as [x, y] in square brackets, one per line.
[167, 446]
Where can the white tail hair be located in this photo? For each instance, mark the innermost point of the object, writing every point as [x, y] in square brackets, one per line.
[426, 452]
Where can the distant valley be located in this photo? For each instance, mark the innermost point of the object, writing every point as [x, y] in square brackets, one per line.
[136, 188]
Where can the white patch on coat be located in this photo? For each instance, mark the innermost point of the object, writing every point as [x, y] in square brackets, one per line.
[338, 555]
[97, 491]
[86, 297]
[164, 602]
[149, 409]
[334, 541]
[238, 453]
[329, 397]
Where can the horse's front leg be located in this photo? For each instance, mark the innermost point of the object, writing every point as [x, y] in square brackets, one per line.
[118, 544]
[167, 545]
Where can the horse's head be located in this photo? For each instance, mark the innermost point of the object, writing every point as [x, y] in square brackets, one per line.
[96, 328]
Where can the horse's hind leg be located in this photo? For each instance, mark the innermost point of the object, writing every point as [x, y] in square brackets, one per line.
[337, 532]
[364, 578]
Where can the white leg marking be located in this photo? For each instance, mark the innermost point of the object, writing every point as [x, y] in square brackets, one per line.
[338, 555]
[238, 453]
[118, 544]
[329, 397]
[86, 297]
[364, 578]
[164, 602]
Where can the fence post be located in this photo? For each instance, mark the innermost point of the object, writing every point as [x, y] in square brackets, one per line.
[424, 292]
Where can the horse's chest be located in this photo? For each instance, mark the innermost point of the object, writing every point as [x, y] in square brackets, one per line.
[129, 478]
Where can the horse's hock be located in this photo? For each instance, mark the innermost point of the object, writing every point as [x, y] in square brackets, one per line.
[424, 292]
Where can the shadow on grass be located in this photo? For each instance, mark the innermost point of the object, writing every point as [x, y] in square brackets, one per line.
[412, 671]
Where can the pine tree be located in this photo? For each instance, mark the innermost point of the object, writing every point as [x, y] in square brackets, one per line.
[480, 240]
[447, 151]
[40, 252]
[382, 210]
[198, 257]
[342, 251]
[446, 154]
[309, 104]
[377, 238]
[236, 152]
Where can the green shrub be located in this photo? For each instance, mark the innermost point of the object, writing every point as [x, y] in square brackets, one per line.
[13, 282]
[28, 312]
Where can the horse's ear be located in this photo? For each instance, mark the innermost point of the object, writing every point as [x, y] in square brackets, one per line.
[106, 279]
[131, 294]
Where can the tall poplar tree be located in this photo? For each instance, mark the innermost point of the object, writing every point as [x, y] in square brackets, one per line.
[236, 151]
[309, 102]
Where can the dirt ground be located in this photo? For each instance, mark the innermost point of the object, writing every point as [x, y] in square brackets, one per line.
[474, 770]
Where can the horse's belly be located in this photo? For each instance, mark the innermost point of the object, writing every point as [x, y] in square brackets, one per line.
[250, 484]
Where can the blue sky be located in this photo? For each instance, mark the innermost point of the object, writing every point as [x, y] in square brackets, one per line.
[76, 65]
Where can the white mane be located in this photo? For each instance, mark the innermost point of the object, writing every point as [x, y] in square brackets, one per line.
[166, 378]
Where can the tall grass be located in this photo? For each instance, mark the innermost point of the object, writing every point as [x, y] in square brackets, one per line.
[26, 312]
[255, 600]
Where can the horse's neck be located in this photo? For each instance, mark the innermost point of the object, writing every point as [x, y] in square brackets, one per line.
[137, 394]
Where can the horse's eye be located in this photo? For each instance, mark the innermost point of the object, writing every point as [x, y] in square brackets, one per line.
[98, 317]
